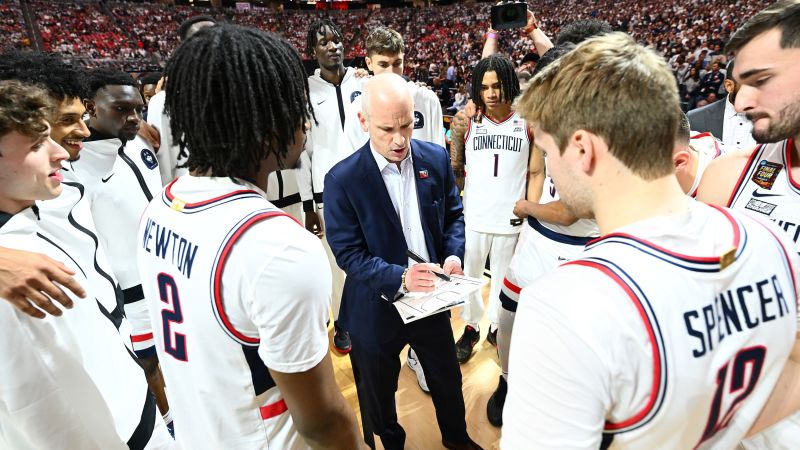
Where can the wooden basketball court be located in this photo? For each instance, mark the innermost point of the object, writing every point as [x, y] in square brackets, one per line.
[415, 408]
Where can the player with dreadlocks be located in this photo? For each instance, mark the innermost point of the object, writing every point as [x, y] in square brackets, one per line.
[259, 348]
[171, 158]
[495, 153]
[332, 88]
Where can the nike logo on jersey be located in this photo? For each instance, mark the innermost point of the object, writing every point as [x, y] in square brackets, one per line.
[319, 103]
[761, 195]
[105, 180]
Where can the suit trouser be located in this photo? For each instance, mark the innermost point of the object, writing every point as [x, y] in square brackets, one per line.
[337, 274]
[378, 366]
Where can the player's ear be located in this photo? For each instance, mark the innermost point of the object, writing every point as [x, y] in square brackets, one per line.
[730, 86]
[91, 109]
[364, 121]
[680, 160]
[584, 147]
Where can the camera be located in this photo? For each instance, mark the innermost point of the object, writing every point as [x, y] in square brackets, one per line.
[509, 15]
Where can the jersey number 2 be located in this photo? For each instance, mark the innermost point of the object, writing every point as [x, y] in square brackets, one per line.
[168, 292]
[750, 356]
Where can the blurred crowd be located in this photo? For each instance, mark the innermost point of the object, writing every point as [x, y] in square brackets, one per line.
[12, 26]
[442, 42]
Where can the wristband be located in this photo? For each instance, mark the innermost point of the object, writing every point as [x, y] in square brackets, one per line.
[529, 29]
[491, 35]
[403, 281]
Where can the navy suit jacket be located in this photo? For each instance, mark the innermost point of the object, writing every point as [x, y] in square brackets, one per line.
[708, 118]
[365, 234]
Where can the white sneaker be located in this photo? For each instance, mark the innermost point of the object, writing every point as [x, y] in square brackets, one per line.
[413, 364]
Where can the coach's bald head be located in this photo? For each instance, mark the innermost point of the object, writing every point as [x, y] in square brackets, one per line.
[387, 114]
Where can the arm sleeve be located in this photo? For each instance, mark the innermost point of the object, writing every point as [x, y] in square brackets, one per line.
[155, 109]
[138, 314]
[289, 305]
[354, 137]
[557, 392]
[437, 123]
[349, 245]
[304, 183]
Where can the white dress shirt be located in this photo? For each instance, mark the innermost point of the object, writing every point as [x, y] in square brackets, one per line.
[402, 187]
[736, 129]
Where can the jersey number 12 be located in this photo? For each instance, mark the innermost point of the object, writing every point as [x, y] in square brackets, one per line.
[750, 356]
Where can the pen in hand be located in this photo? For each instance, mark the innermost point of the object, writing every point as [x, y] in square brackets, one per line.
[421, 260]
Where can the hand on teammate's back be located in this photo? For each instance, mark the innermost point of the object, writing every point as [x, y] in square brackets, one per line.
[151, 135]
[362, 73]
[521, 208]
[30, 282]
[473, 111]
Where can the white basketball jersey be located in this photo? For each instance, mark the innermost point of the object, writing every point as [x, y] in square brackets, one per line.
[685, 349]
[201, 258]
[766, 188]
[716, 331]
[496, 167]
[708, 148]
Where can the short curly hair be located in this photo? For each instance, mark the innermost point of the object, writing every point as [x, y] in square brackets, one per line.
[384, 41]
[24, 108]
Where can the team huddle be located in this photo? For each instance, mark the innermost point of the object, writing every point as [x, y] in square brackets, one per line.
[171, 284]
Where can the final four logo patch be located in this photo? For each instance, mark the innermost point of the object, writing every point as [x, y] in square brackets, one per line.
[354, 96]
[149, 159]
[766, 173]
[419, 120]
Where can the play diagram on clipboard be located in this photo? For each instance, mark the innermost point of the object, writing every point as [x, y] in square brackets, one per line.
[448, 294]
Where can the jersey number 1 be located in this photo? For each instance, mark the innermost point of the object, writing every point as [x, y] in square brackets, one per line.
[750, 356]
[168, 292]
[496, 163]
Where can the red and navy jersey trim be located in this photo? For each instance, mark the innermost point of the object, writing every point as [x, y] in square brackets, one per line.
[745, 175]
[716, 142]
[499, 122]
[644, 308]
[217, 302]
[707, 264]
[189, 208]
[556, 236]
[508, 303]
